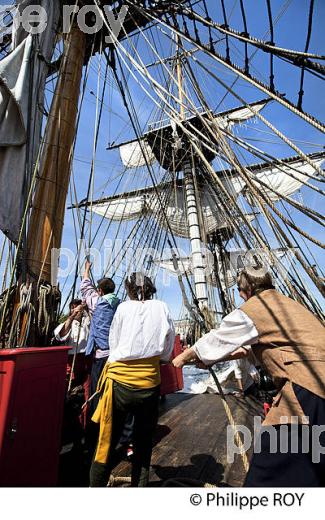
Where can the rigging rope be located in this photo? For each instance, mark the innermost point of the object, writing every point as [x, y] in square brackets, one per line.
[227, 63]
[310, 21]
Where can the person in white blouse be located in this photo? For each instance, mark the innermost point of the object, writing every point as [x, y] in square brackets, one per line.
[141, 329]
[74, 332]
[231, 340]
[141, 337]
[289, 343]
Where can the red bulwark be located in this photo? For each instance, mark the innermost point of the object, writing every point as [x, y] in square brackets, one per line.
[171, 377]
[32, 391]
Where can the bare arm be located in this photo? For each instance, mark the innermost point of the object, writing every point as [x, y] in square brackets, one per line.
[226, 343]
[62, 332]
[86, 272]
[66, 328]
[189, 355]
[88, 291]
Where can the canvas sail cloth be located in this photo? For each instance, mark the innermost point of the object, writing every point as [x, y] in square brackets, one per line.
[134, 154]
[22, 80]
[233, 259]
[283, 179]
[132, 205]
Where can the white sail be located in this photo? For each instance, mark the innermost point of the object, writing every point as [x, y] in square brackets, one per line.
[233, 260]
[283, 179]
[124, 208]
[131, 206]
[226, 121]
[134, 155]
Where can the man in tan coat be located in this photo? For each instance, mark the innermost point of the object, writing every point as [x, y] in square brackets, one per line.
[289, 341]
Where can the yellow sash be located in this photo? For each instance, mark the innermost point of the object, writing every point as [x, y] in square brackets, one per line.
[138, 373]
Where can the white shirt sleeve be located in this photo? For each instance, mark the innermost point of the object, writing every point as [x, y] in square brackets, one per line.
[57, 335]
[236, 330]
[170, 340]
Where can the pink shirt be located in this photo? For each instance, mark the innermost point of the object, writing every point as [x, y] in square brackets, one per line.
[89, 294]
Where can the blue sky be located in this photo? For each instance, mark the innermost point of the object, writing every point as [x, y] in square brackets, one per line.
[290, 32]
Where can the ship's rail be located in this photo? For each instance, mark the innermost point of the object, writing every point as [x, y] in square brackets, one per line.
[162, 123]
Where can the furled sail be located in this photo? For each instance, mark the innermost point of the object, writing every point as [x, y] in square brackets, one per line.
[284, 180]
[280, 179]
[122, 208]
[131, 205]
[22, 79]
[234, 260]
[239, 115]
[134, 154]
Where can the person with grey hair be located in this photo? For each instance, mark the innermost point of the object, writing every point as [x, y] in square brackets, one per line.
[289, 342]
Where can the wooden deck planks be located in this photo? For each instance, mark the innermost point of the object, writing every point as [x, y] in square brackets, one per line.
[191, 440]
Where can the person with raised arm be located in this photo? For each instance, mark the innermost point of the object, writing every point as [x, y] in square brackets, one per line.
[102, 303]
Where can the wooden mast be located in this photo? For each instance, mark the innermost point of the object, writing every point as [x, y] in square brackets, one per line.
[47, 216]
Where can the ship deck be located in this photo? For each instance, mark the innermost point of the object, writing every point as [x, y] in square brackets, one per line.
[190, 446]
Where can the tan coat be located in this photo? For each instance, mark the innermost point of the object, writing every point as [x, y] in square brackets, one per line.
[292, 349]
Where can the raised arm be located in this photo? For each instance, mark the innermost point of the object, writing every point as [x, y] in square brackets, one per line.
[62, 331]
[88, 292]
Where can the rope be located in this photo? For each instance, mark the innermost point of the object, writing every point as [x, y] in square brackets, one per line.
[269, 13]
[186, 482]
[245, 37]
[25, 310]
[171, 482]
[48, 303]
[226, 25]
[118, 480]
[264, 120]
[245, 33]
[227, 63]
[43, 320]
[310, 21]
[231, 420]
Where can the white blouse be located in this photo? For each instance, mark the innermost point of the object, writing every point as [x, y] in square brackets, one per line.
[76, 337]
[141, 330]
[236, 330]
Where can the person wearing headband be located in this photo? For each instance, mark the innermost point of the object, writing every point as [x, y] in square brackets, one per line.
[289, 342]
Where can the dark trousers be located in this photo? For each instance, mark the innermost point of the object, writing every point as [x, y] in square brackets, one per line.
[92, 429]
[96, 371]
[293, 467]
[80, 377]
[143, 405]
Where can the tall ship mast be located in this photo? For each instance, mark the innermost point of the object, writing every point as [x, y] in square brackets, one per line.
[182, 139]
[205, 182]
